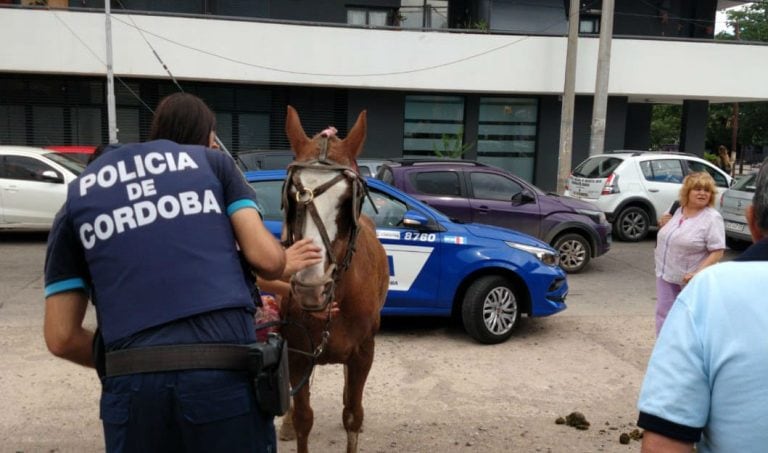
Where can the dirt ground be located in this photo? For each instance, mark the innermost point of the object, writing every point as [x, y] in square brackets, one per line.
[431, 389]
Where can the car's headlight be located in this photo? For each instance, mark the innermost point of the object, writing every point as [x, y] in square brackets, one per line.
[596, 216]
[546, 256]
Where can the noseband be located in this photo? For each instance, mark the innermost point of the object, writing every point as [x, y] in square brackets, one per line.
[305, 205]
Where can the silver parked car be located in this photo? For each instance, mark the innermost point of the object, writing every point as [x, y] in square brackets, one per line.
[733, 204]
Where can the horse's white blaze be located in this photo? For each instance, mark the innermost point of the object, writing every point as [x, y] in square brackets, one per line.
[327, 205]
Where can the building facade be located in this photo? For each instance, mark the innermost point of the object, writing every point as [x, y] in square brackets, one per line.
[481, 79]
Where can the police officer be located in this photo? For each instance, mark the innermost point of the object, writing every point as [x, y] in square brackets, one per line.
[150, 232]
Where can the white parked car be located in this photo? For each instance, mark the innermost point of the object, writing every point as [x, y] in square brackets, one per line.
[634, 188]
[33, 186]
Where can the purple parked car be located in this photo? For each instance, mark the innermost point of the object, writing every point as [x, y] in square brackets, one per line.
[469, 191]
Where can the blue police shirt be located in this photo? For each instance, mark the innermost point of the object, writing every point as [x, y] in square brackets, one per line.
[146, 230]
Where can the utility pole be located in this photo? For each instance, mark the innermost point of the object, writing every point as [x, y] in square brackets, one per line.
[599, 108]
[735, 121]
[564, 159]
[111, 111]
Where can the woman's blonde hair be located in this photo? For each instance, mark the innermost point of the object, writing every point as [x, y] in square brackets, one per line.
[698, 180]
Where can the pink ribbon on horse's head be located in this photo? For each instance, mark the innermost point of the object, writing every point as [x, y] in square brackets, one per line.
[329, 132]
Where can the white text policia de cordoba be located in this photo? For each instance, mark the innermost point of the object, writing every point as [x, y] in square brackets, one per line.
[143, 212]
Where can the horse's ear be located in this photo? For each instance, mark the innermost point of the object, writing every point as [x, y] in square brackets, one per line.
[296, 135]
[356, 136]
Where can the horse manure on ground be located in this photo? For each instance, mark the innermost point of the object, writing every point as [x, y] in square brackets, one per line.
[635, 434]
[575, 419]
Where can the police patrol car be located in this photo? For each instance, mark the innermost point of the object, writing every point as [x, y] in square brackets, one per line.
[486, 275]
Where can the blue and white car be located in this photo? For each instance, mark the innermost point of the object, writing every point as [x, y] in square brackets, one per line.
[486, 275]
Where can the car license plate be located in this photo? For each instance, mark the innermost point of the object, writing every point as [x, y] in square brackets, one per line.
[733, 226]
[579, 194]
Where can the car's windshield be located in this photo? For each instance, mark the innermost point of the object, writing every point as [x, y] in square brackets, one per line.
[597, 167]
[269, 196]
[70, 164]
[746, 183]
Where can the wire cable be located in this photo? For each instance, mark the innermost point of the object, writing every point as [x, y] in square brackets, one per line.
[322, 74]
[104, 63]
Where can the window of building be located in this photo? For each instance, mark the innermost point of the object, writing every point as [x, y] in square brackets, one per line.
[128, 125]
[254, 131]
[48, 124]
[589, 24]
[423, 14]
[362, 16]
[433, 126]
[506, 135]
[13, 128]
[85, 125]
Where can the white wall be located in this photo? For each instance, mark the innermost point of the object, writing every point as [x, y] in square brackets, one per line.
[40, 41]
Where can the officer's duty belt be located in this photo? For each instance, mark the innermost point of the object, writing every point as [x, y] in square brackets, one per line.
[177, 357]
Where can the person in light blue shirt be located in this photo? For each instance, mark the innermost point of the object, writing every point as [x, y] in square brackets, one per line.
[707, 379]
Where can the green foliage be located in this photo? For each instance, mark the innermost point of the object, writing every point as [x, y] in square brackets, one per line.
[451, 146]
[480, 25]
[719, 126]
[752, 21]
[710, 157]
[665, 125]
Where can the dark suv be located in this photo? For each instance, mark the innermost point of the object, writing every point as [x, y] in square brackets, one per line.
[469, 191]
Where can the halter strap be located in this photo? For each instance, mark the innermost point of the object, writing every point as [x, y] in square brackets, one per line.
[304, 199]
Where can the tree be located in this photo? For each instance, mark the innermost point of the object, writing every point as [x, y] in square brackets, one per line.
[752, 23]
[665, 125]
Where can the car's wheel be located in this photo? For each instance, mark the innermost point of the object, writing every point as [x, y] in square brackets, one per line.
[490, 310]
[574, 250]
[632, 224]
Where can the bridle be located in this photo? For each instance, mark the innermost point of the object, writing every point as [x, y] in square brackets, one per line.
[304, 198]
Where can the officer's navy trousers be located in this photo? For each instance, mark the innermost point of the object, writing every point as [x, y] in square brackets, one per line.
[186, 411]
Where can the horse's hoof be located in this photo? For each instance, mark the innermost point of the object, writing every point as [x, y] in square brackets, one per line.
[286, 431]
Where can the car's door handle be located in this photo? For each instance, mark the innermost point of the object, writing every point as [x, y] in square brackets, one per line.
[653, 190]
[483, 209]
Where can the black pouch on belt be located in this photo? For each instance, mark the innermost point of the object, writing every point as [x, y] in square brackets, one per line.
[269, 369]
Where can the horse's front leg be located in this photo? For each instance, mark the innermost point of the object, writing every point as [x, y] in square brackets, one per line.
[287, 431]
[355, 374]
[303, 418]
[297, 422]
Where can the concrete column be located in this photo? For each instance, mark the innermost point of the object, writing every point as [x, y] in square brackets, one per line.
[638, 131]
[548, 130]
[471, 124]
[693, 126]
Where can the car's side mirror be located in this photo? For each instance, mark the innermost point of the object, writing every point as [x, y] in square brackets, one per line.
[51, 176]
[523, 197]
[413, 219]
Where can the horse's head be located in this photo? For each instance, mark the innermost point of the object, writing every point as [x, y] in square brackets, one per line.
[323, 195]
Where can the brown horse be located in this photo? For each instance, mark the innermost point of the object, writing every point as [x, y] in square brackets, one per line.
[323, 196]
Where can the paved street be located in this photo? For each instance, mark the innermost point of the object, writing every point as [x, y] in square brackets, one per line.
[431, 387]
